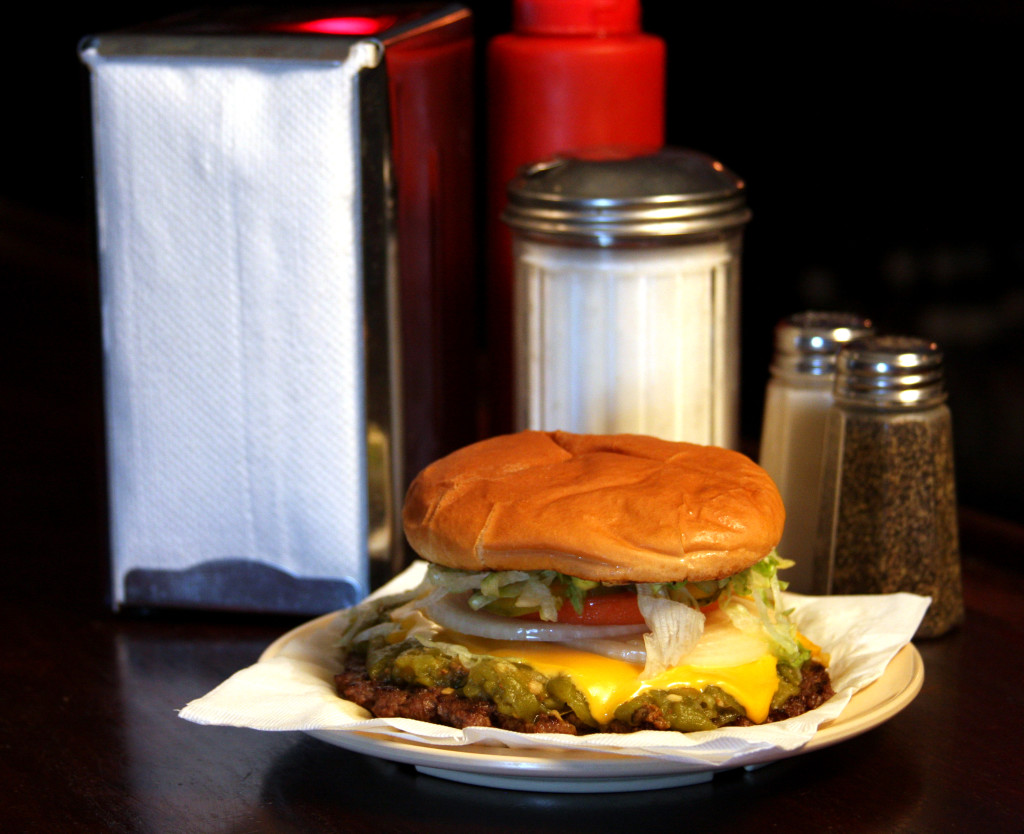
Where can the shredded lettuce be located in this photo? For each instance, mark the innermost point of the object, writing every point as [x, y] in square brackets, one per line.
[675, 628]
[371, 618]
[761, 584]
[751, 598]
[529, 590]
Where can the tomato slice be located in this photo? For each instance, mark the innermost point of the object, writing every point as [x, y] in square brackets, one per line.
[617, 608]
[620, 608]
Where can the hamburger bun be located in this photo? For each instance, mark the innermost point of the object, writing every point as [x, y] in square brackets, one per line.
[611, 508]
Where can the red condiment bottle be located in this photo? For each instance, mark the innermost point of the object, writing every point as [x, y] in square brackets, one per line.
[572, 75]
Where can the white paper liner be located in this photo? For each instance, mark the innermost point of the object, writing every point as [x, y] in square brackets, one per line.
[292, 688]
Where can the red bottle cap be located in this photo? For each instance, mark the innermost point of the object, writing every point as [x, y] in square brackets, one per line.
[577, 17]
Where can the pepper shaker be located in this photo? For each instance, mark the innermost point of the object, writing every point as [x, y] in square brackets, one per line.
[797, 399]
[889, 514]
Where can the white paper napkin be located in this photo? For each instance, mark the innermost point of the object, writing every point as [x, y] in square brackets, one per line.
[294, 690]
[229, 221]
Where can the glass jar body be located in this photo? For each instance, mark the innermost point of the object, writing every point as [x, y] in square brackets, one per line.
[792, 439]
[888, 511]
[638, 339]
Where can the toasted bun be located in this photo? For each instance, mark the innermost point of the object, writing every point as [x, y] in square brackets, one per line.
[623, 508]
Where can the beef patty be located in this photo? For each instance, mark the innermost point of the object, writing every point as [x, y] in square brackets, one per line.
[442, 705]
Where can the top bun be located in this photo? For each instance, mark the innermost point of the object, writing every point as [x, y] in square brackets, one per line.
[613, 508]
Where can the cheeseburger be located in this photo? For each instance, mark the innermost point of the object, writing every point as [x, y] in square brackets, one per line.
[586, 583]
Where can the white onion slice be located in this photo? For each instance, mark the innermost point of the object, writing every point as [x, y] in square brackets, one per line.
[451, 612]
[630, 648]
[723, 644]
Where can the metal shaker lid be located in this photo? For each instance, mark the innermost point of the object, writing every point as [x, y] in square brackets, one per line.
[807, 343]
[891, 373]
[600, 198]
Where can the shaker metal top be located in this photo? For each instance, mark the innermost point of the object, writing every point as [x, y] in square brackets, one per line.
[593, 199]
[807, 343]
[891, 373]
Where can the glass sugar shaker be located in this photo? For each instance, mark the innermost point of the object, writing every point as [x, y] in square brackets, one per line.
[626, 281]
[889, 513]
[797, 401]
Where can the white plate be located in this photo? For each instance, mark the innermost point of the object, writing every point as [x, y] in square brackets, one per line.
[572, 771]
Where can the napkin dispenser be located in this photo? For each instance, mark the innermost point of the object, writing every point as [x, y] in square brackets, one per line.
[285, 229]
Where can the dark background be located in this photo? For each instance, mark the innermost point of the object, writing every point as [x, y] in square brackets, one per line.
[880, 142]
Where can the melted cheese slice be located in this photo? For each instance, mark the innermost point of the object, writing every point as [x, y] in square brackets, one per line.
[740, 667]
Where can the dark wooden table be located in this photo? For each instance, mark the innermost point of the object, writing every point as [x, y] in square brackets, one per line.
[91, 740]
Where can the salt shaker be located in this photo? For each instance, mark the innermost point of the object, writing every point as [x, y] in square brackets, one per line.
[889, 514]
[627, 294]
[797, 400]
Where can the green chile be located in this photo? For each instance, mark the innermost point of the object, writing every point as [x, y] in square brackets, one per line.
[518, 690]
[409, 662]
[686, 710]
[564, 691]
[514, 688]
[789, 684]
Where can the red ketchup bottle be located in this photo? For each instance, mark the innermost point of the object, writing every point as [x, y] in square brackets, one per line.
[572, 75]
